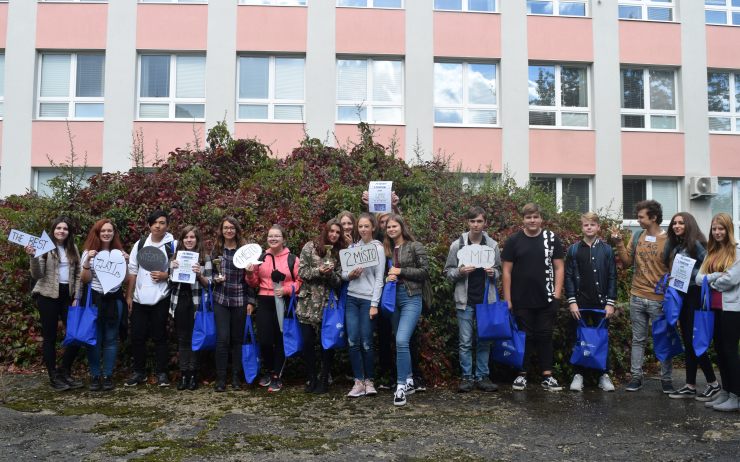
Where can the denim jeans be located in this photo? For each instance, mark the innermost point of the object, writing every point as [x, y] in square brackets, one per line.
[404, 320]
[642, 313]
[107, 344]
[466, 325]
[360, 337]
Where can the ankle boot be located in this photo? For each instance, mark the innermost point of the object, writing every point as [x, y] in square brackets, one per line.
[236, 383]
[183, 382]
[322, 385]
[193, 382]
[310, 384]
[67, 378]
[57, 383]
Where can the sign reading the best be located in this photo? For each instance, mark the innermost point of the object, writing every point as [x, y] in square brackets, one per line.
[363, 256]
[480, 256]
[42, 244]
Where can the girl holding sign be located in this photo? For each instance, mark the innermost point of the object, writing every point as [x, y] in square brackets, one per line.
[103, 239]
[57, 275]
[321, 274]
[410, 269]
[184, 300]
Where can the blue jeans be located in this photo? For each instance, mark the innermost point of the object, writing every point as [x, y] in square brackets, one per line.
[466, 324]
[360, 337]
[404, 320]
[107, 344]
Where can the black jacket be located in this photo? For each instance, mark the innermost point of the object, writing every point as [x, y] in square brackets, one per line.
[606, 272]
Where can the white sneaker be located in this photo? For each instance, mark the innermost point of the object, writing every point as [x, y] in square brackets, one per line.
[399, 398]
[732, 404]
[357, 390]
[605, 383]
[520, 383]
[410, 389]
[370, 388]
[577, 383]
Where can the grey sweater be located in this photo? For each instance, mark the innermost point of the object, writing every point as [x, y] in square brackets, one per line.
[369, 285]
[452, 270]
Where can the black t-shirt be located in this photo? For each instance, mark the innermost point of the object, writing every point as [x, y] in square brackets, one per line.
[587, 296]
[476, 284]
[532, 274]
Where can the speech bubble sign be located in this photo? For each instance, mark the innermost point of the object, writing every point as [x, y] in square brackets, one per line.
[480, 256]
[152, 259]
[110, 269]
[362, 256]
[42, 244]
[246, 255]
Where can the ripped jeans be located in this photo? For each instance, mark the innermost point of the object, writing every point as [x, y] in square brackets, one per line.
[360, 337]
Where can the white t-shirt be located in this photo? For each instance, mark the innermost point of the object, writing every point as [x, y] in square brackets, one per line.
[63, 265]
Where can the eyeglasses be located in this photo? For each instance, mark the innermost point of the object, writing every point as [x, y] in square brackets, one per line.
[229, 228]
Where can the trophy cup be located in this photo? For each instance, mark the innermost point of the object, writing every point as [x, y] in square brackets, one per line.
[219, 277]
[328, 261]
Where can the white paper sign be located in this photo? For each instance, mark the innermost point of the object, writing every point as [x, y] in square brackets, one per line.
[380, 196]
[681, 272]
[361, 256]
[184, 271]
[246, 255]
[480, 256]
[110, 269]
[42, 244]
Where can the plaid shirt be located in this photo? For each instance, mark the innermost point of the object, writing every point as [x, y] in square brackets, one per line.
[234, 291]
[176, 287]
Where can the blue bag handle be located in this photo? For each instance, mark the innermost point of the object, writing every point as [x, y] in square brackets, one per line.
[248, 329]
[582, 323]
[88, 300]
[706, 295]
[495, 290]
[291, 303]
[333, 299]
[660, 287]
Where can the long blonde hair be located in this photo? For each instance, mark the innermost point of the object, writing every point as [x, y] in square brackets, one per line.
[720, 255]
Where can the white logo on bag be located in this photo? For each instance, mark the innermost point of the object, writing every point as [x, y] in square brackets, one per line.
[507, 353]
[340, 326]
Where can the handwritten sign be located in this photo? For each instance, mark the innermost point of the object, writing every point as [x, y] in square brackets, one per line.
[246, 255]
[42, 244]
[363, 256]
[480, 256]
[152, 258]
[681, 272]
[110, 269]
[380, 196]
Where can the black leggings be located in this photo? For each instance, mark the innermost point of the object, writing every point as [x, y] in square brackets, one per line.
[184, 321]
[229, 335]
[312, 336]
[691, 301]
[150, 321]
[729, 338]
[51, 311]
[538, 324]
[269, 335]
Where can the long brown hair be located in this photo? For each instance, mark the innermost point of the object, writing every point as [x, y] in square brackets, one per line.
[692, 235]
[388, 243]
[720, 255]
[351, 216]
[73, 257]
[323, 240]
[93, 241]
[218, 248]
[199, 247]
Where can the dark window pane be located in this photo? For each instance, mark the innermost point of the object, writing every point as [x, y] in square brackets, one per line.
[541, 118]
[633, 92]
[575, 194]
[155, 76]
[633, 121]
[633, 191]
[718, 91]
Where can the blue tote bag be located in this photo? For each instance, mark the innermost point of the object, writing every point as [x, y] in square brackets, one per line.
[250, 352]
[493, 319]
[388, 298]
[666, 341]
[672, 303]
[703, 321]
[511, 351]
[82, 323]
[204, 327]
[292, 338]
[592, 344]
[332, 324]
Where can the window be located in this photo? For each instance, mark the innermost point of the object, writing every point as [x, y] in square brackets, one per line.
[557, 7]
[172, 87]
[466, 5]
[728, 200]
[369, 90]
[271, 88]
[558, 96]
[274, 2]
[71, 85]
[42, 176]
[2, 86]
[570, 194]
[723, 95]
[722, 12]
[67, 1]
[173, 1]
[651, 10]
[649, 99]
[636, 190]
[465, 93]
[371, 3]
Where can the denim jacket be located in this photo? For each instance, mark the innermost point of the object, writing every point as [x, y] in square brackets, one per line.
[606, 272]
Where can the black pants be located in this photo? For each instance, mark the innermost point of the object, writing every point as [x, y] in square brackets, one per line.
[729, 338]
[150, 321]
[311, 337]
[591, 319]
[229, 336]
[691, 301]
[538, 324]
[184, 321]
[51, 311]
[269, 335]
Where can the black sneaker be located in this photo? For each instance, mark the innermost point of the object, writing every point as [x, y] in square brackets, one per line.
[399, 397]
[136, 379]
[667, 387]
[709, 393]
[236, 383]
[419, 384]
[684, 392]
[634, 385]
[69, 380]
[410, 387]
[276, 384]
[466, 385]
[108, 384]
[96, 383]
[550, 384]
[162, 380]
[57, 383]
[485, 384]
[265, 380]
[220, 386]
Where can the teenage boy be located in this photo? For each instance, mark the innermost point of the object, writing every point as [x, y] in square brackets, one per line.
[148, 299]
[533, 276]
[645, 252]
[470, 285]
[590, 282]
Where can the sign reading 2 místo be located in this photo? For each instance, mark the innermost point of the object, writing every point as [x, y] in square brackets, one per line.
[363, 256]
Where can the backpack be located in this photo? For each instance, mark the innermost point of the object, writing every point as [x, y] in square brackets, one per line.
[291, 262]
[168, 249]
[636, 237]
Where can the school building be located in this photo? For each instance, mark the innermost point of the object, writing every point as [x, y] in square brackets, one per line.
[604, 101]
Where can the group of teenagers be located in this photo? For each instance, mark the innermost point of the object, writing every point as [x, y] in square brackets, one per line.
[535, 271]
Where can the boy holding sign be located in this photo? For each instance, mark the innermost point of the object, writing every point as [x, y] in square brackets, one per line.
[470, 282]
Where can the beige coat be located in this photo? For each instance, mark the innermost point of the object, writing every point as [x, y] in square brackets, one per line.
[45, 269]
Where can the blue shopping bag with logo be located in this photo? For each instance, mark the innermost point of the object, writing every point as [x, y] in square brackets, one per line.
[250, 352]
[666, 341]
[493, 319]
[332, 324]
[82, 323]
[703, 321]
[388, 297]
[592, 344]
[292, 337]
[204, 326]
[510, 351]
[672, 303]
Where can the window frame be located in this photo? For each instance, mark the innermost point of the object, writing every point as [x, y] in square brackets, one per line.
[632, 222]
[371, 5]
[71, 100]
[88, 173]
[155, 2]
[559, 188]
[65, 1]
[645, 5]
[465, 5]
[734, 112]
[270, 101]
[727, 9]
[369, 104]
[172, 101]
[257, 3]
[556, 9]
[646, 111]
[465, 105]
[559, 109]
